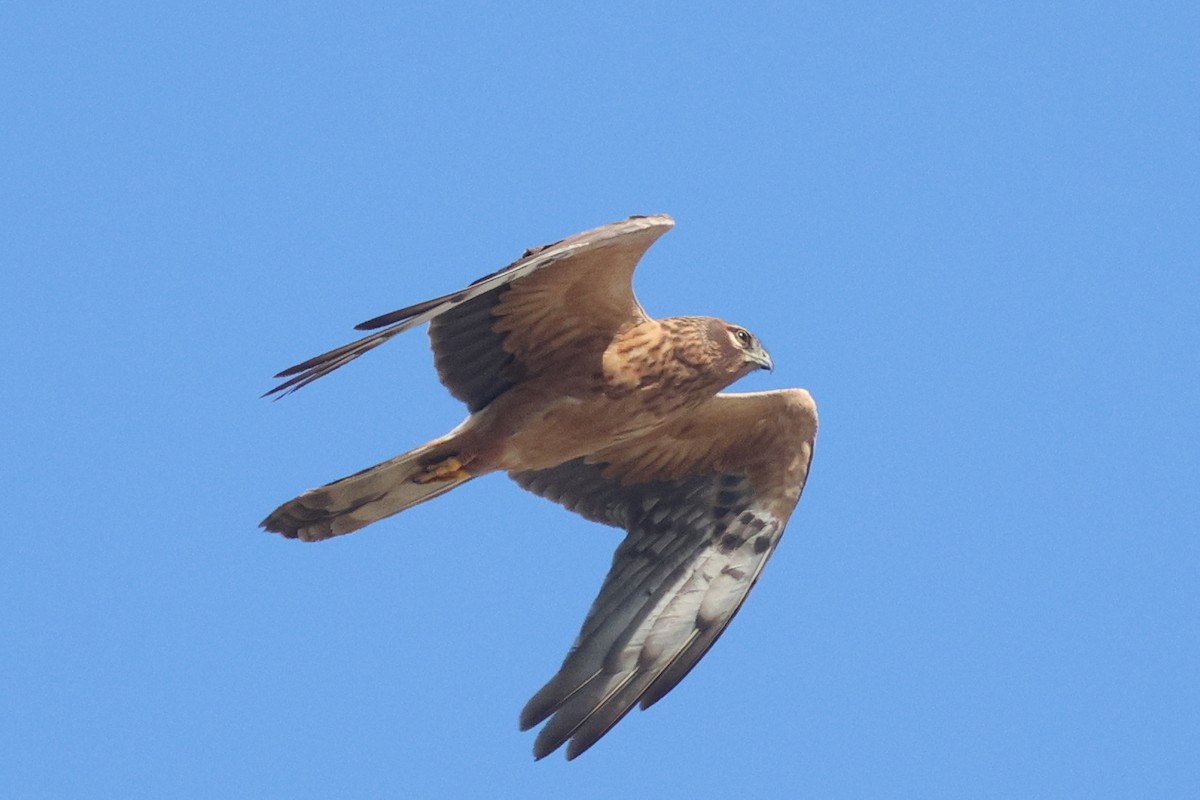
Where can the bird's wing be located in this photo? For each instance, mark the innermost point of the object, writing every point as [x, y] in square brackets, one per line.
[704, 502]
[517, 321]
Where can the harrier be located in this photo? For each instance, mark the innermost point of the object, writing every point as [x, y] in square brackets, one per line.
[584, 399]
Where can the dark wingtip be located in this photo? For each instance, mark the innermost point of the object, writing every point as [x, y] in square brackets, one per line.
[392, 317]
[277, 392]
[284, 389]
[375, 322]
[531, 720]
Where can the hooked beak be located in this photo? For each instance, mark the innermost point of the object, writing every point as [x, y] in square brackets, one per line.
[762, 359]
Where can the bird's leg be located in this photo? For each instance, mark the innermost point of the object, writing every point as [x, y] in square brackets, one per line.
[451, 468]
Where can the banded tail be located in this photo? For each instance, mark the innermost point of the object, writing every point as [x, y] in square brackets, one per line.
[376, 492]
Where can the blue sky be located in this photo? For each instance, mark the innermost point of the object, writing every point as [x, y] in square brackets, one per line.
[970, 230]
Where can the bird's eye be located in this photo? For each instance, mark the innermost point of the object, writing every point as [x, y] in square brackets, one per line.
[742, 336]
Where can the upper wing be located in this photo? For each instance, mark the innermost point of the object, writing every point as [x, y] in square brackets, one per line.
[705, 502]
[520, 320]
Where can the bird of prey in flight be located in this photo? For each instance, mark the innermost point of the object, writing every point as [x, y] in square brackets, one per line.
[583, 398]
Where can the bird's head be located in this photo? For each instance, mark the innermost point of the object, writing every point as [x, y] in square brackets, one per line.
[742, 350]
[715, 351]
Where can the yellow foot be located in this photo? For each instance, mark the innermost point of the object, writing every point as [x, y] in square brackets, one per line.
[449, 469]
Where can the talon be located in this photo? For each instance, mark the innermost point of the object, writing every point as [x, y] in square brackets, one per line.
[448, 469]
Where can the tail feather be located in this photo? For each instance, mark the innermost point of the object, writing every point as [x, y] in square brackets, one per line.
[358, 500]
